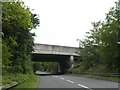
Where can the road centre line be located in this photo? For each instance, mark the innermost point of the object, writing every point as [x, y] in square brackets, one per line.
[73, 82]
[62, 78]
[84, 86]
[70, 81]
[54, 76]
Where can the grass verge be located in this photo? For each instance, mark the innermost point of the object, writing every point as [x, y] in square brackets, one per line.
[32, 82]
[109, 78]
[23, 80]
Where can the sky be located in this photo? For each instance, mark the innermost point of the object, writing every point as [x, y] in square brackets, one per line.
[62, 22]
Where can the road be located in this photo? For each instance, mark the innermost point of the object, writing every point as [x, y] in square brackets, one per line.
[62, 81]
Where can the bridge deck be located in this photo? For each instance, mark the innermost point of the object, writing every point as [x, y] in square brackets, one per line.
[55, 49]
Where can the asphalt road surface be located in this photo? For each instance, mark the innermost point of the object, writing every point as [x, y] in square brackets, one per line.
[63, 81]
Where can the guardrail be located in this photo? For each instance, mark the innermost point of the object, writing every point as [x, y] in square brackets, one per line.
[102, 74]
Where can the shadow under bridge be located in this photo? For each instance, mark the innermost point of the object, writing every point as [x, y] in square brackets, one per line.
[64, 55]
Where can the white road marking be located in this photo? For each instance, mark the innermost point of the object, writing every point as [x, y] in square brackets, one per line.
[62, 78]
[84, 86]
[0, 87]
[73, 82]
[54, 76]
[70, 81]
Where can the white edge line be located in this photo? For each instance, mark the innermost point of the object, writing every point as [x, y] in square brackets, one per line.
[70, 81]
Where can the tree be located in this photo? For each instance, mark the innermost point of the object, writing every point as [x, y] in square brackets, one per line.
[100, 48]
[17, 22]
[109, 37]
[88, 51]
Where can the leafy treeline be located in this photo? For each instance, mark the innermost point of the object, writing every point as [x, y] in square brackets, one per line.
[51, 67]
[100, 49]
[17, 41]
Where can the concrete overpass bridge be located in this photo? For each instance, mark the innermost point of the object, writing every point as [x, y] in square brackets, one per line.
[64, 55]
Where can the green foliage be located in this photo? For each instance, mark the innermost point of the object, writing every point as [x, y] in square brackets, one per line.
[108, 49]
[17, 42]
[31, 82]
[17, 22]
[45, 66]
[21, 79]
[37, 66]
[6, 57]
[99, 51]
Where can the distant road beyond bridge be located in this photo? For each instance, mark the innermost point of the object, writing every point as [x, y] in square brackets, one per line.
[64, 55]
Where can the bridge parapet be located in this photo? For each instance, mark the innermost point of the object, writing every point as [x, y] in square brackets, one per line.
[55, 49]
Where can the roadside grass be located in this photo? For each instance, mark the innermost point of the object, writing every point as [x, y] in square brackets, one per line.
[109, 78]
[32, 82]
[22, 80]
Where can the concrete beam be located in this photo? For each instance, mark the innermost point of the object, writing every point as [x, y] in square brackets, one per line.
[55, 49]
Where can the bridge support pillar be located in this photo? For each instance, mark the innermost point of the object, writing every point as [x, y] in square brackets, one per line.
[72, 61]
[59, 69]
[63, 67]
